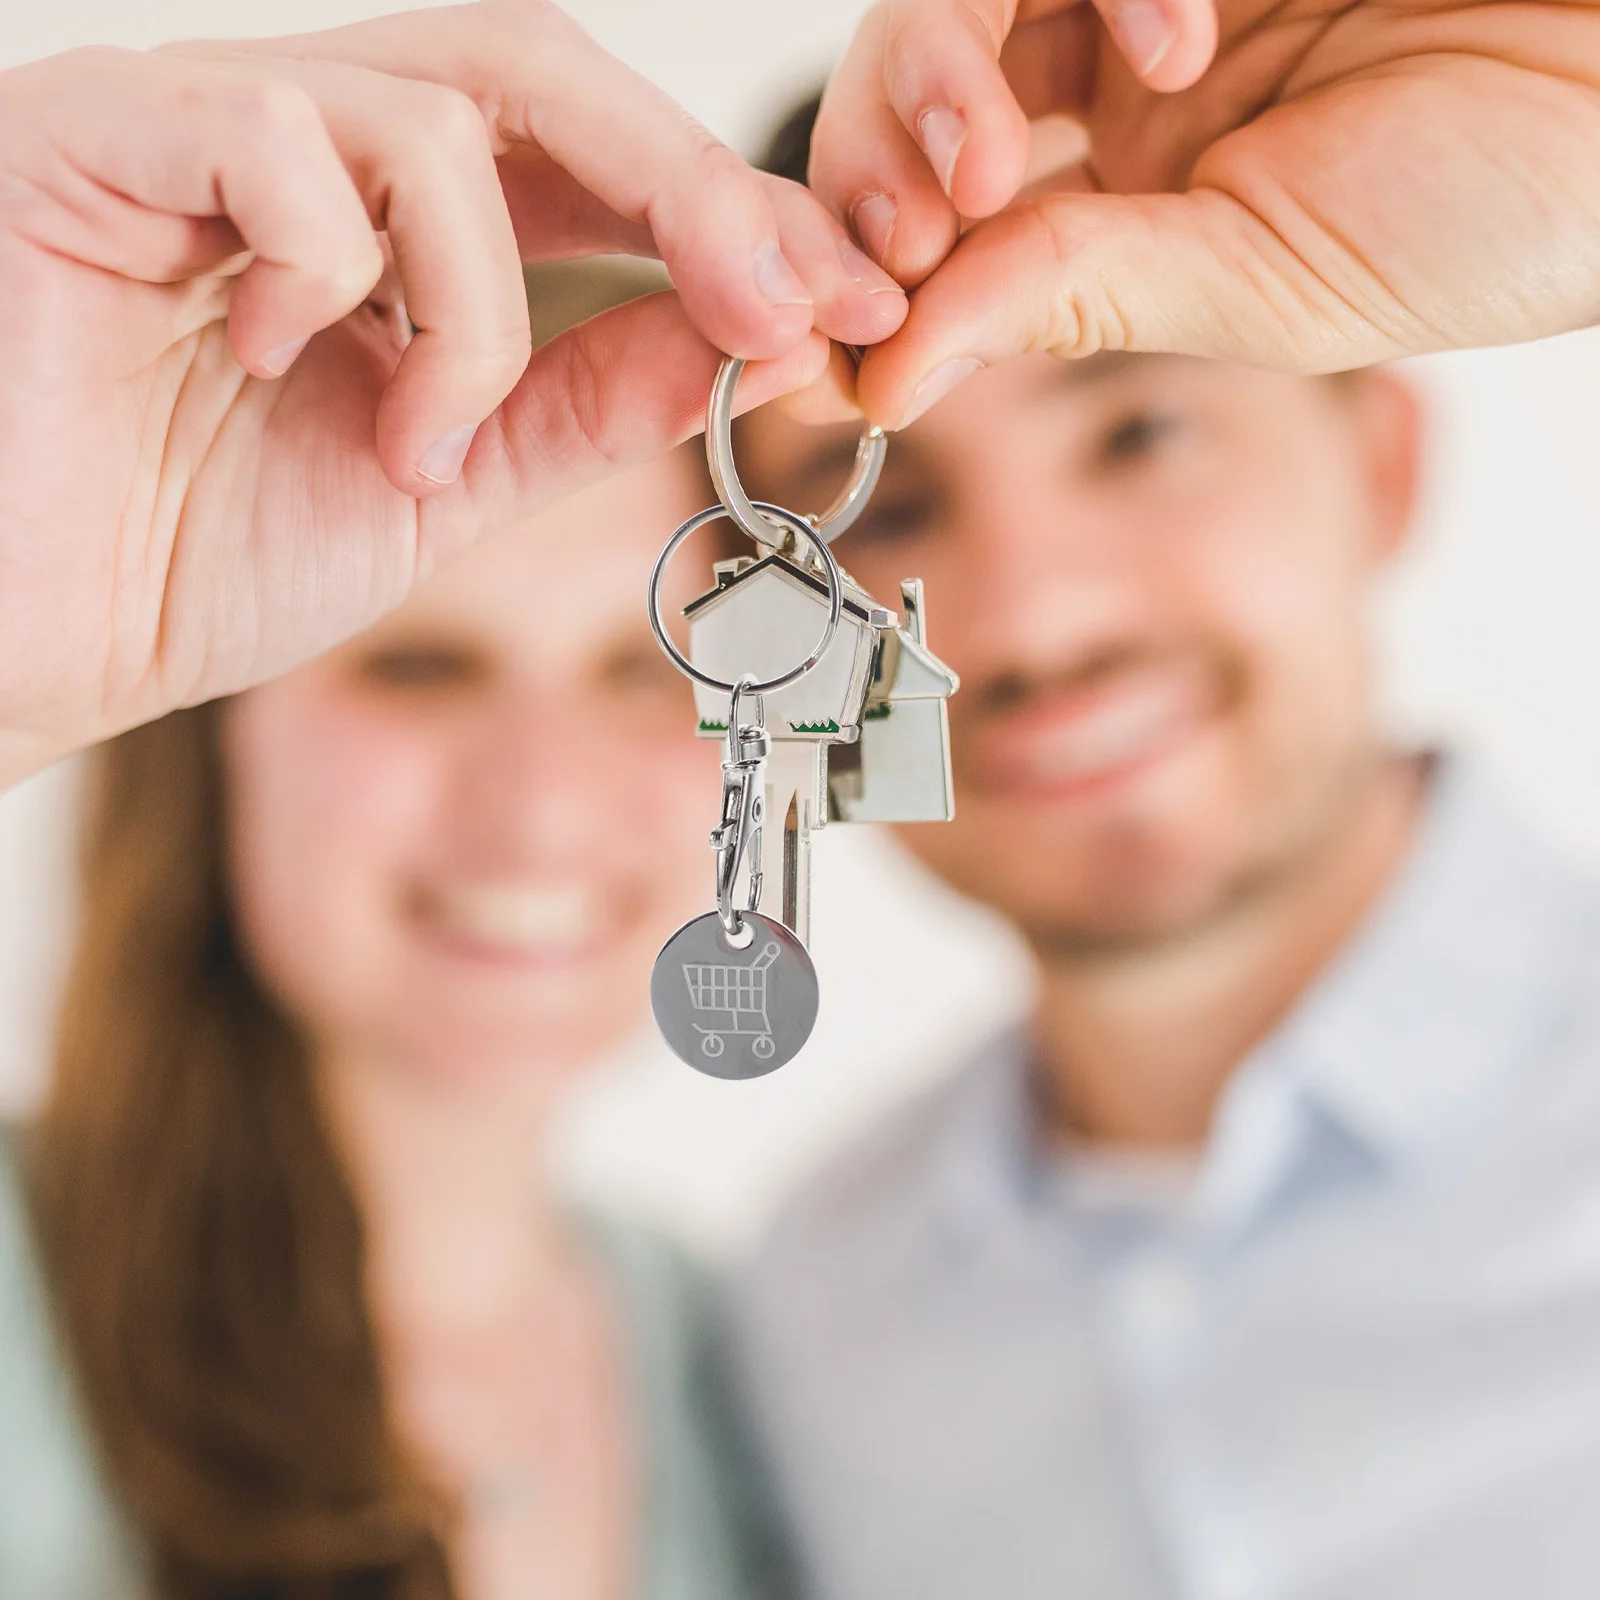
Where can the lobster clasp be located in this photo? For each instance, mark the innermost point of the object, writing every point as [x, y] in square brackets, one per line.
[737, 837]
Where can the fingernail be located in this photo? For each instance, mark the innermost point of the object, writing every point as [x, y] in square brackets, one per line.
[776, 279]
[277, 362]
[865, 271]
[1144, 31]
[938, 384]
[873, 218]
[943, 132]
[443, 463]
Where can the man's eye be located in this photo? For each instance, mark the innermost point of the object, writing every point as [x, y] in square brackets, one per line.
[641, 671]
[419, 668]
[892, 522]
[1139, 435]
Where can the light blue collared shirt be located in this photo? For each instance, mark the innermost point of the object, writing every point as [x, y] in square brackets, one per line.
[1358, 1360]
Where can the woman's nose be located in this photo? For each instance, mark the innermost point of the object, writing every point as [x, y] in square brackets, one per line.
[544, 773]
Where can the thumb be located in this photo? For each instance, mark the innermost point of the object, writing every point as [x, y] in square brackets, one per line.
[1072, 274]
[615, 390]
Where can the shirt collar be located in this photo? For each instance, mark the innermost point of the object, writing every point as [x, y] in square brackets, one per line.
[984, 1159]
[1421, 1022]
[1418, 1026]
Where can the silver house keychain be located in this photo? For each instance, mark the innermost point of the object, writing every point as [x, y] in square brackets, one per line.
[866, 737]
[855, 732]
[734, 992]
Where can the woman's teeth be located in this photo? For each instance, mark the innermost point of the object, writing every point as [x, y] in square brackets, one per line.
[527, 919]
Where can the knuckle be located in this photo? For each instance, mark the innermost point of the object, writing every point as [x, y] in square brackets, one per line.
[446, 120]
[905, 27]
[340, 271]
[792, 204]
[492, 355]
[923, 47]
[985, 20]
[1077, 316]
[350, 278]
[508, 356]
[493, 343]
[580, 417]
[715, 165]
[487, 358]
[275, 112]
[704, 179]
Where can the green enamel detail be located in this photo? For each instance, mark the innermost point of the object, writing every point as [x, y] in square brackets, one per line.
[830, 726]
[708, 726]
[877, 713]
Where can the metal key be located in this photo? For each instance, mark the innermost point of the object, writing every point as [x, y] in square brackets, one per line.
[863, 738]
[734, 993]
[849, 725]
[703, 997]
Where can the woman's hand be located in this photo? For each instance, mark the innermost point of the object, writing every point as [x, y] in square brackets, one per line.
[264, 344]
[1344, 183]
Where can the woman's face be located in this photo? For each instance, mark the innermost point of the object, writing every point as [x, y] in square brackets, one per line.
[458, 841]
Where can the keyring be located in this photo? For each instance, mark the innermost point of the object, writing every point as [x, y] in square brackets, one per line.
[777, 514]
[850, 502]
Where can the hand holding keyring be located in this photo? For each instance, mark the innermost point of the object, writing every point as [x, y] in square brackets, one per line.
[1344, 184]
[835, 670]
[179, 521]
[179, 517]
[847, 505]
[703, 995]
[195, 498]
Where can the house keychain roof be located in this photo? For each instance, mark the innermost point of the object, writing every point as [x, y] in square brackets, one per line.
[764, 614]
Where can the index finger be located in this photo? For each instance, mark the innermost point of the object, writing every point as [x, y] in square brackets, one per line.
[540, 80]
[619, 388]
[922, 120]
[208, 144]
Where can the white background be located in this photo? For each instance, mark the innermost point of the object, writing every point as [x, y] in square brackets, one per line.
[1488, 636]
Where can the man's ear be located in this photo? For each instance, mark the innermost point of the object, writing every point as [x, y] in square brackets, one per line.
[1391, 417]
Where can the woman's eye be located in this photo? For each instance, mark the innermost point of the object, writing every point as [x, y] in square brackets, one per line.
[419, 668]
[644, 671]
[1140, 435]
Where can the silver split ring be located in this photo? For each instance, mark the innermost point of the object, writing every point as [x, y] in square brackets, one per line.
[775, 516]
[757, 520]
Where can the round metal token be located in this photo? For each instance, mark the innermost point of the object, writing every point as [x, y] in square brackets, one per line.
[734, 1013]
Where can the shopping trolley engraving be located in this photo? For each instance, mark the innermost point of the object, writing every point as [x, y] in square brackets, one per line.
[740, 994]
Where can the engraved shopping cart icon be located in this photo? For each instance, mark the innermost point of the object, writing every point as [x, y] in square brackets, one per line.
[737, 993]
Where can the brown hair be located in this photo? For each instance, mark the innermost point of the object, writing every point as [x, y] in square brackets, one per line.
[203, 1246]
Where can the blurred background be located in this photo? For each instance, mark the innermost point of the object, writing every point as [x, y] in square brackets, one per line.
[1488, 636]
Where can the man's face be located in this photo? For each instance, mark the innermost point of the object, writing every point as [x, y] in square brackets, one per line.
[1151, 574]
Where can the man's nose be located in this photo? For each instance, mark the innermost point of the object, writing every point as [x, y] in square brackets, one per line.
[1042, 578]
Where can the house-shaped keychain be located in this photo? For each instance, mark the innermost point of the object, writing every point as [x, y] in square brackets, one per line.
[862, 738]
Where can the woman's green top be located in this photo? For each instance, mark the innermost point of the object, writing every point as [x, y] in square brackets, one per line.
[704, 1534]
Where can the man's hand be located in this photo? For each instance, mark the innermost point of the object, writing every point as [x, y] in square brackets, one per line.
[1345, 183]
[264, 344]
